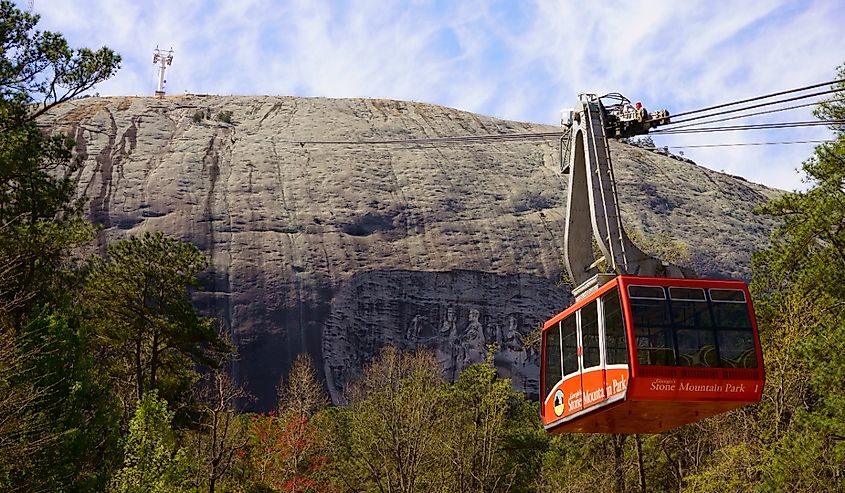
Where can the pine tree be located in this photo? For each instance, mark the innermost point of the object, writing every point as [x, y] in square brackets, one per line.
[139, 303]
[799, 284]
[57, 422]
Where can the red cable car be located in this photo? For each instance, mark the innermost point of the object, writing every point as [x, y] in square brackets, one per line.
[647, 354]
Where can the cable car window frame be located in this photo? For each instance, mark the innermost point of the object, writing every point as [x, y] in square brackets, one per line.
[664, 330]
[696, 341]
[715, 338]
[549, 384]
[710, 291]
[747, 354]
[595, 351]
[574, 356]
[619, 332]
[680, 298]
[637, 297]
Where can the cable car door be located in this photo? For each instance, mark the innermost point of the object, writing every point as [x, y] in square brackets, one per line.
[614, 346]
[570, 392]
[591, 359]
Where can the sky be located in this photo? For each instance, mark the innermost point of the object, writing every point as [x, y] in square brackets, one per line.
[521, 60]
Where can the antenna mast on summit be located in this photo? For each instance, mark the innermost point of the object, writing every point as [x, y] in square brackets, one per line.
[163, 59]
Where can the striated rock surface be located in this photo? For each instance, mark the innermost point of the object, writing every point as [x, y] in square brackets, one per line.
[338, 249]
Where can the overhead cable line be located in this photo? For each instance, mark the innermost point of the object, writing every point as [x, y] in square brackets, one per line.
[757, 98]
[753, 106]
[738, 117]
[739, 144]
[529, 136]
[759, 126]
[543, 136]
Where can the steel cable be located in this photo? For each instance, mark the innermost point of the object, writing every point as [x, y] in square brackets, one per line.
[760, 126]
[757, 98]
[753, 106]
[738, 117]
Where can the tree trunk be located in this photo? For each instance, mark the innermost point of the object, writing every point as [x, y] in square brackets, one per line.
[139, 370]
[212, 477]
[640, 465]
[618, 462]
[154, 360]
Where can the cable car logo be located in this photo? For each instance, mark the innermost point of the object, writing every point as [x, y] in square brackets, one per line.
[559, 403]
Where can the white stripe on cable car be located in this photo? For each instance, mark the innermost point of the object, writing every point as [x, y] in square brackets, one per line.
[558, 384]
[585, 410]
[573, 375]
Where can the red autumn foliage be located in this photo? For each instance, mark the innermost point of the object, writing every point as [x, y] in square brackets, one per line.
[288, 453]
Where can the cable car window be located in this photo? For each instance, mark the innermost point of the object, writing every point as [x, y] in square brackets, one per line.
[614, 329]
[737, 349]
[693, 328]
[733, 327]
[552, 373]
[590, 335]
[653, 330]
[569, 334]
[646, 292]
[654, 346]
[730, 309]
[687, 294]
[731, 315]
[697, 348]
[649, 312]
[727, 295]
[689, 313]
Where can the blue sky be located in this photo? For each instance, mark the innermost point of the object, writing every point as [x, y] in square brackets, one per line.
[521, 60]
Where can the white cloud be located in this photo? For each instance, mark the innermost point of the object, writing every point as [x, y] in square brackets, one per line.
[684, 55]
[519, 60]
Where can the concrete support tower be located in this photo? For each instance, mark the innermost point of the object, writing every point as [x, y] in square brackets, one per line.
[163, 59]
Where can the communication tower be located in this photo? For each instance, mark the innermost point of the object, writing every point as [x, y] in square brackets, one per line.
[163, 59]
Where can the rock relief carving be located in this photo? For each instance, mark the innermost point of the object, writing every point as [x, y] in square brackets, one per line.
[449, 325]
[471, 348]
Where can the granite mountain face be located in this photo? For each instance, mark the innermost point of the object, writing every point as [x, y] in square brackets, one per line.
[338, 250]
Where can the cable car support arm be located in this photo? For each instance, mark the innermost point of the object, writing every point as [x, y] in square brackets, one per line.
[592, 203]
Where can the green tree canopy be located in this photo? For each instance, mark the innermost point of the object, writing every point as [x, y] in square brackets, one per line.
[40, 67]
[58, 423]
[799, 283]
[138, 300]
[39, 214]
[391, 437]
[153, 462]
[493, 441]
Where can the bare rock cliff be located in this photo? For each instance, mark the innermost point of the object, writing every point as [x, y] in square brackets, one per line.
[338, 250]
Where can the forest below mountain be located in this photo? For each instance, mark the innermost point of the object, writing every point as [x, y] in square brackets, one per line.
[111, 380]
